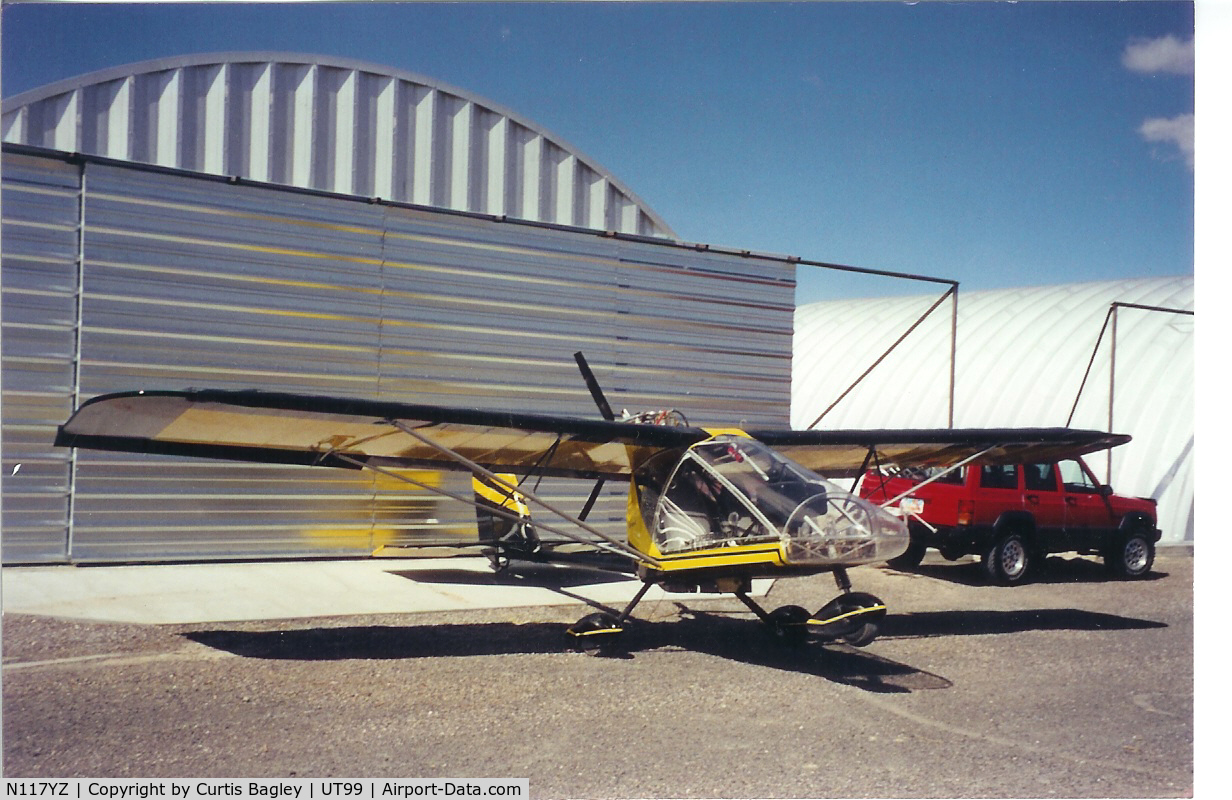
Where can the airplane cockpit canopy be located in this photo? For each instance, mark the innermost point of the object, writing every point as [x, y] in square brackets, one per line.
[731, 490]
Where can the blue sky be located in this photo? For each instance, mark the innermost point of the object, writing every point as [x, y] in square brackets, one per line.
[998, 144]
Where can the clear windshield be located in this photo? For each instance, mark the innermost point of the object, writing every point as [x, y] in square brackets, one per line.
[730, 490]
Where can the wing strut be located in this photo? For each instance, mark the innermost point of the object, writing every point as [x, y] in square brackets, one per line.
[939, 475]
[590, 501]
[623, 548]
[872, 452]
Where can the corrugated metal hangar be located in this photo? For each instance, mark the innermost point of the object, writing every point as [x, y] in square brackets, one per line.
[1114, 355]
[207, 222]
[319, 225]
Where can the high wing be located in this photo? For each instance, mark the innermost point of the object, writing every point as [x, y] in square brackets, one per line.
[269, 427]
[844, 453]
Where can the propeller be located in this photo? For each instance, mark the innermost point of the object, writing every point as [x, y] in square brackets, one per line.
[596, 392]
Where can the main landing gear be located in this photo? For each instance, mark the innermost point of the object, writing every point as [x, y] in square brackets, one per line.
[851, 617]
[598, 634]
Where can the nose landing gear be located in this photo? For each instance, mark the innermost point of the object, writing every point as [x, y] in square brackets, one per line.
[851, 617]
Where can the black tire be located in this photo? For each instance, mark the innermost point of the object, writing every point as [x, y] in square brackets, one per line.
[862, 636]
[1010, 559]
[855, 618]
[951, 553]
[596, 634]
[912, 556]
[789, 624]
[1131, 556]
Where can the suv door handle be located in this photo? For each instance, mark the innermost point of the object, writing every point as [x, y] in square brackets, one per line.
[1071, 501]
[1033, 498]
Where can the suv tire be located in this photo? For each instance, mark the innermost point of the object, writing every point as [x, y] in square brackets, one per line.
[1131, 555]
[913, 555]
[1009, 560]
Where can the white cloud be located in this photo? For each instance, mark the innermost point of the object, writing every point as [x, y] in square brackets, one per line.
[1178, 131]
[1165, 54]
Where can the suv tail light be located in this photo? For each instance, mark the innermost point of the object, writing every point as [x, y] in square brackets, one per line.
[966, 512]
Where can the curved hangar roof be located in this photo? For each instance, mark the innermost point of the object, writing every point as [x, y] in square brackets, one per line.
[1021, 358]
[330, 124]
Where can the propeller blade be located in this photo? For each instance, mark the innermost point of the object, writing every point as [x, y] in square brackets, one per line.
[593, 385]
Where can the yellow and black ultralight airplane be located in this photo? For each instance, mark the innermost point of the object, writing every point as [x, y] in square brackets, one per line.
[708, 509]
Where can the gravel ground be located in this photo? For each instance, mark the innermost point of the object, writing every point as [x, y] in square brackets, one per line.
[1072, 686]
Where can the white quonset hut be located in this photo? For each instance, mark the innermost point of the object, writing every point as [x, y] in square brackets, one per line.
[1110, 355]
[331, 124]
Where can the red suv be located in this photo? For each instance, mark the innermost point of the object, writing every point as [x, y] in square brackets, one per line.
[1012, 515]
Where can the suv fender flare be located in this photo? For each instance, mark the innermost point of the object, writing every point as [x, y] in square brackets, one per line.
[1136, 519]
[1020, 521]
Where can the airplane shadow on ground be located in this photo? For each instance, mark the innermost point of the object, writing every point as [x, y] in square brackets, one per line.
[735, 637]
[740, 640]
[543, 576]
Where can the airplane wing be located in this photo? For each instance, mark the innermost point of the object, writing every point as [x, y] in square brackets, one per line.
[268, 427]
[839, 453]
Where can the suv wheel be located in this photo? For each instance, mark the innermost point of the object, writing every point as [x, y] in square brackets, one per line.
[1131, 555]
[1008, 561]
[913, 555]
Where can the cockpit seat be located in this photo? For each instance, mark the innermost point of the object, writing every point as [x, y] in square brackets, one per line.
[679, 529]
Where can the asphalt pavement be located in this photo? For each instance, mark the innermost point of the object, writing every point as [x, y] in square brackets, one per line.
[1071, 686]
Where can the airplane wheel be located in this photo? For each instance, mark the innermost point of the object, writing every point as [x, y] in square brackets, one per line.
[788, 624]
[853, 616]
[596, 634]
[862, 636]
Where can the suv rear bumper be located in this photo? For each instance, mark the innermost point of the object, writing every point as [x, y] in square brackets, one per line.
[957, 541]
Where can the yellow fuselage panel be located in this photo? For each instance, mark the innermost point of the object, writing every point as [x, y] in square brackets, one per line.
[767, 554]
[499, 496]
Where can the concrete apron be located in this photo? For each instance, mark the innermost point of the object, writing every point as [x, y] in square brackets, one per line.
[193, 593]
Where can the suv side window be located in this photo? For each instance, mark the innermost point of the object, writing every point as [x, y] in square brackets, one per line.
[998, 476]
[1039, 477]
[955, 477]
[1075, 478]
